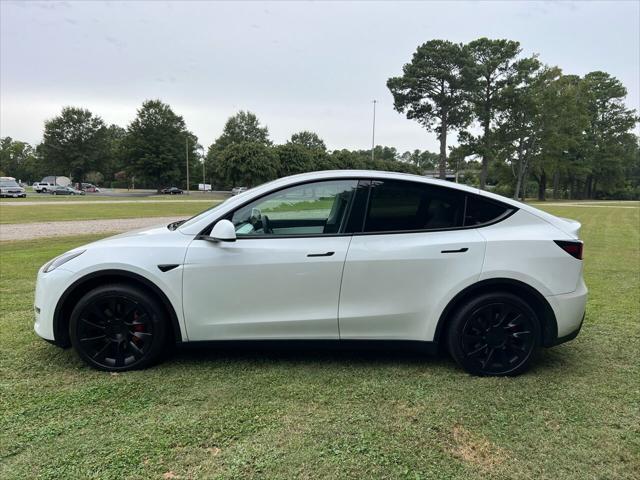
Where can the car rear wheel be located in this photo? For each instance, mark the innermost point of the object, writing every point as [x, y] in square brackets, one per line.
[494, 334]
[118, 327]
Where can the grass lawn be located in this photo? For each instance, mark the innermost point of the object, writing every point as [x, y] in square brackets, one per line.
[69, 211]
[312, 414]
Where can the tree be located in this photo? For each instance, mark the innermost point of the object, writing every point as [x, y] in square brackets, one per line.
[308, 140]
[430, 91]
[610, 122]
[114, 155]
[519, 132]
[242, 127]
[18, 159]
[156, 145]
[73, 143]
[631, 156]
[295, 158]
[563, 120]
[247, 164]
[493, 66]
[424, 160]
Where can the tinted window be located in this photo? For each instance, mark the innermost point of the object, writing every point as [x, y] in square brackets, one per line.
[480, 210]
[398, 205]
[310, 209]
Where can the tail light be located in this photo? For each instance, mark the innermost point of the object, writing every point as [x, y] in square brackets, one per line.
[573, 248]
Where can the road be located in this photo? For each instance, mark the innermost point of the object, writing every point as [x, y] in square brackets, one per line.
[27, 203]
[30, 231]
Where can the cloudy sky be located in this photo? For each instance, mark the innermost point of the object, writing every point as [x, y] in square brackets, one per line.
[313, 66]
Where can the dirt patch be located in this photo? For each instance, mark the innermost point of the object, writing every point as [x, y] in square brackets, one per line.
[475, 450]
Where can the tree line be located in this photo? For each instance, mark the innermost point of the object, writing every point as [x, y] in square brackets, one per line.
[152, 152]
[522, 121]
[523, 128]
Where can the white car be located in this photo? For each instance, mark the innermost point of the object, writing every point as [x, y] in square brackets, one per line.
[10, 188]
[335, 256]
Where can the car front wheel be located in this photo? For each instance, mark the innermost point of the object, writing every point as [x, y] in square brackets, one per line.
[118, 327]
[494, 334]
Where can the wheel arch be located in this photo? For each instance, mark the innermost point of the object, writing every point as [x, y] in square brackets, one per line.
[549, 326]
[80, 287]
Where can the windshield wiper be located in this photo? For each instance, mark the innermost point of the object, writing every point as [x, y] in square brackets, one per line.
[174, 225]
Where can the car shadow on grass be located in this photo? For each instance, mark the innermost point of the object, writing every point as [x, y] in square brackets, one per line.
[558, 360]
[363, 353]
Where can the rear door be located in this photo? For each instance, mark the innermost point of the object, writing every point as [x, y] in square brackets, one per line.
[412, 252]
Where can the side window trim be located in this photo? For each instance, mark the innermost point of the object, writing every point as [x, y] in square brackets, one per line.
[509, 210]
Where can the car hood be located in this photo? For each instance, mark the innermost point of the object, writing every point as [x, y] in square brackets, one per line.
[135, 236]
[144, 231]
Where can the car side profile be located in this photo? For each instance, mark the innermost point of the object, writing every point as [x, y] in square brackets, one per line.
[172, 191]
[334, 256]
[60, 190]
[89, 187]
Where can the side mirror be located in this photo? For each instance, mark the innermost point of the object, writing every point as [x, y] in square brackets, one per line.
[223, 231]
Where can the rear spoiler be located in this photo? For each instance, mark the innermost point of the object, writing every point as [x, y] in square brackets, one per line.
[567, 225]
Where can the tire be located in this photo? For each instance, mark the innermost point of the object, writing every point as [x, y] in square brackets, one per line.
[134, 338]
[494, 334]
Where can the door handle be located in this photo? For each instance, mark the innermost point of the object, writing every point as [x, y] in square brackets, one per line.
[326, 254]
[460, 250]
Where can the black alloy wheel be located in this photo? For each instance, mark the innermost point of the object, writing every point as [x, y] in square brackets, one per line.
[494, 335]
[118, 327]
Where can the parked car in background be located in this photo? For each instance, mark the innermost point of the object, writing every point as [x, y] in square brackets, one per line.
[43, 187]
[172, 191]
[89, 187]
[10, 188]
[238, 190]
[340, 255]
[66, 191]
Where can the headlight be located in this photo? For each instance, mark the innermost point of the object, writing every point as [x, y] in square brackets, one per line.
[61, 260]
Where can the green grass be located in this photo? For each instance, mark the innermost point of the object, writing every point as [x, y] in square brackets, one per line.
[317, 414]
[70, 211]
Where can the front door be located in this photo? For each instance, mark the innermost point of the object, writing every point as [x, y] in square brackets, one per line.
[281, 278]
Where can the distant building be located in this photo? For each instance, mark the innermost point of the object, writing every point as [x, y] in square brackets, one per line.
[57, 180]
[450, 175]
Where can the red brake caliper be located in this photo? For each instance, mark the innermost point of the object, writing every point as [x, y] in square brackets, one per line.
[139, 327]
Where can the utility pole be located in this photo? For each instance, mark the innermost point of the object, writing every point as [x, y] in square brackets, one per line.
[186, 151]
[204, 177]
[373, 135]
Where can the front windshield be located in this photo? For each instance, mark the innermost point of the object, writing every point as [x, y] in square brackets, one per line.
[197, 217]
[8, 183]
